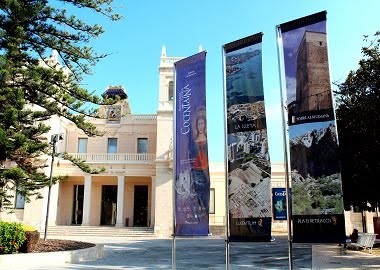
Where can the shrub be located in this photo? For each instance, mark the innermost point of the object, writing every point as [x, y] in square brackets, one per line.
[12, 235]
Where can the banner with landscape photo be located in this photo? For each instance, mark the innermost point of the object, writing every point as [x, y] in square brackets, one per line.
[249, 170]
[317, 199]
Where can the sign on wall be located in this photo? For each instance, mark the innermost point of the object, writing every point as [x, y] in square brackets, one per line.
[113, 114]
[279, 203]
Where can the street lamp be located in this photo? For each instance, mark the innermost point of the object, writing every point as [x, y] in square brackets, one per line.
[54, 140]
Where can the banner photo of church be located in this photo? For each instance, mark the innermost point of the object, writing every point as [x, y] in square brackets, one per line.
[317, 199]
[192, 179]
[248, 165]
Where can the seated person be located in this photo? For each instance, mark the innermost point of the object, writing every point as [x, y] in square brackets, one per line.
[353, 238]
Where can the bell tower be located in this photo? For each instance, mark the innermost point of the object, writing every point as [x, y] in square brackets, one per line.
[166, 81]
[165, 105]
[163, 182]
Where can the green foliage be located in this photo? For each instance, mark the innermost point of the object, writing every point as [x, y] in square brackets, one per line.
[358, 115]
[82, 165]
[300, 193]
[34, 87]
[317, 196]
[12, 236]
[247, 157]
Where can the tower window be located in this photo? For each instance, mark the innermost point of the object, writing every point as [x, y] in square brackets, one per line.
[171, 90]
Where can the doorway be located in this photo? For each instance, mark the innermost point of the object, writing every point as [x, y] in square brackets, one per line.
[77, 217]
[109, 203]
[140, 209]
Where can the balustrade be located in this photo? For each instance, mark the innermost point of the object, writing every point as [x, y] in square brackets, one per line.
[118, 158]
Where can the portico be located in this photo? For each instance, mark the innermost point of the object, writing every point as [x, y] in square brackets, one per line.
[105, 200]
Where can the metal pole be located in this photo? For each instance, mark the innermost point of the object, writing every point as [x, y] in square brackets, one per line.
[288, 203]
[54, 140]
[227, 240]
[174, 167]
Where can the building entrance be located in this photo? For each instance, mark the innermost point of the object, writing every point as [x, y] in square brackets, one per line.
[140, 210]
[109, 202]
[78, 205]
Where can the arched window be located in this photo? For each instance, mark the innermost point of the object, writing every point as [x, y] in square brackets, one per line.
[171, 90]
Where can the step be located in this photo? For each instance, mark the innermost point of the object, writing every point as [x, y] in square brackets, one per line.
[101, 231]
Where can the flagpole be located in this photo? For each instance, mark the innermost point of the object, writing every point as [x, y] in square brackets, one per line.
[174, 168]
[287, 183]
[227, 239]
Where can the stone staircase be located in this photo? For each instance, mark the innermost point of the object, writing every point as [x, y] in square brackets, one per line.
[103, 231]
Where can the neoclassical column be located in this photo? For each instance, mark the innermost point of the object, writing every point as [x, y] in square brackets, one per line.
[53, 207]
[87, 200]
[153, 202]
[120, 202]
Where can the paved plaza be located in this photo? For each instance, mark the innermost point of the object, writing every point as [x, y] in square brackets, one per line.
[209, 253]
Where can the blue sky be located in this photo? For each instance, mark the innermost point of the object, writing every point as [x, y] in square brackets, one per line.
[302, 129]
[135, 45]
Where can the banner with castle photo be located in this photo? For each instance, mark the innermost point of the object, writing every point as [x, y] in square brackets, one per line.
[317, 204]
[248, 165]
[192, 179]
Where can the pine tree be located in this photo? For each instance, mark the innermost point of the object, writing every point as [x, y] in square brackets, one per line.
[358, 116]
[33, 89]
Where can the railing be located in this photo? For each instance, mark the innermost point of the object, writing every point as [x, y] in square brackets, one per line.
[169, 61]
[125, 118]
[144, 117]
[118, 158]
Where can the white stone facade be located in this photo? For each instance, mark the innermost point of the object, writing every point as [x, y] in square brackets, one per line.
[136, 188]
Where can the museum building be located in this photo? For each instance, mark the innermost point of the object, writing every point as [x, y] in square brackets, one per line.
[136, 188]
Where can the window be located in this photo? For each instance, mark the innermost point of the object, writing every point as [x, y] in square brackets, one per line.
[19, 200]
[142, 145]
[171, 90]
[212, 201]
[112, 145]
[82, 145]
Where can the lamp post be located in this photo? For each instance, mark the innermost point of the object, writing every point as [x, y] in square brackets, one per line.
[54, 139]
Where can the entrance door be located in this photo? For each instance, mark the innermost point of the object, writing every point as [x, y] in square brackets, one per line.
[78, 205]
[109, 202]
[140, 211]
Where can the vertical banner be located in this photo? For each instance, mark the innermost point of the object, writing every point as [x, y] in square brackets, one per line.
[192, 179]
[279, 203]
[317, 202]
[248, 165]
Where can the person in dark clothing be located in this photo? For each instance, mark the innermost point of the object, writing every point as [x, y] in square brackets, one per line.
[353, 238]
